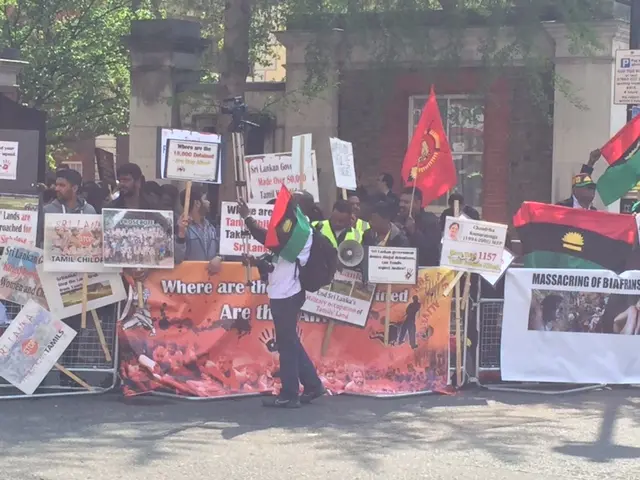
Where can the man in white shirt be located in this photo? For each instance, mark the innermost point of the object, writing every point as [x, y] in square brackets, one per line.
[286, 298]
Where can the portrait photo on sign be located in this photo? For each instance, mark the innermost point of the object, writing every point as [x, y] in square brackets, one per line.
[584, 312]
[138, 238]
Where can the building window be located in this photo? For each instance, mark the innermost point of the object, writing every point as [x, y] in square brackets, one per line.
[463, 120]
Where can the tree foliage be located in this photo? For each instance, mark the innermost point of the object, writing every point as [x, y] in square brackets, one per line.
[78, 69]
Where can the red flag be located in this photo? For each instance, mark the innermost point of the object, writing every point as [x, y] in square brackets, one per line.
[428, 162]
[624, 144]
[279, 211]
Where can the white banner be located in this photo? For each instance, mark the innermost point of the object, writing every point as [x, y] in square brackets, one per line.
[166, 134]
[473, 245]
[571, 326]
[392, 265]
[344, 167]
[195, 161]
[18, 219]
[31, 346]
[266, 174]
[232, 229]
[347, 299]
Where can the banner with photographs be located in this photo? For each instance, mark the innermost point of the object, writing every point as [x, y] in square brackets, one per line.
[347, 299]
[31, 346]
[63, 291]
[571, 326]
[73, 243]
[233, 231]
[268, 172]
[138, 238]
[19, 279]
[213, 336]
[18, 219]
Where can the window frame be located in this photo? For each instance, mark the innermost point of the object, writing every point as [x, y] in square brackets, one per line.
[438, 209]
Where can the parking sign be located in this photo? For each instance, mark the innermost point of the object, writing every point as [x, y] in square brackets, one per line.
[627, 78]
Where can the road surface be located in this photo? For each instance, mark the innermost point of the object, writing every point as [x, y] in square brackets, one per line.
[473, 435]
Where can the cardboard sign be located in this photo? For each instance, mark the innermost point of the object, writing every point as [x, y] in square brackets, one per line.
[233, 231]
[18, 219]
[31, 346]
[73, 243]
[166, 134]
[266, 174]
[8, 160]
[344, 168]
[392, 265]
[194, 161]
[19, 279]
[138, 238]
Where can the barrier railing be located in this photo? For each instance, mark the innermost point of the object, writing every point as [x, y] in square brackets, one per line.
[85, 358]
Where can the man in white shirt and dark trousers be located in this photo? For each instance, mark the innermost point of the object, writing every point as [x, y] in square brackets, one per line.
[286, 298]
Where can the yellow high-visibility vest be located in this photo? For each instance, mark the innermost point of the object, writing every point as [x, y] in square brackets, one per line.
[325, 229]
[361, 226]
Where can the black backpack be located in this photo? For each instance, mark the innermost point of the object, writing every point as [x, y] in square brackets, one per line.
[319, 270]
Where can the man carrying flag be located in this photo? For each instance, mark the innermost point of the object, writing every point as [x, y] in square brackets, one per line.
[583, 188]
[428, 164]
[290, 237]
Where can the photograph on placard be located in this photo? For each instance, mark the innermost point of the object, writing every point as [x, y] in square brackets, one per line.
[31, 346]
[19, 279]
[138, 238]
[18, 219]
[73, 243]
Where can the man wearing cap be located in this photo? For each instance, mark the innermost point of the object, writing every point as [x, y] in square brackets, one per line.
[583, 188]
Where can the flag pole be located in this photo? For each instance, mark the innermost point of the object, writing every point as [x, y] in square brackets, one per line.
[413, 193]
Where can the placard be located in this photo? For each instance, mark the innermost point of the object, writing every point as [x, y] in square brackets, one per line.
[473, 245]
[233, 230]
[347, 299]
[8, 160]
[106, 165]
[571, 326]
[300, 153]
[63, 291]
[194, 161]
[166, 134]
[266, 174]
[31, 346]
[73, 243]
[138, 238]
[344, 167]
[18, 219]
[392, 265]
[19, 279]
[626, 83]
[507, 260]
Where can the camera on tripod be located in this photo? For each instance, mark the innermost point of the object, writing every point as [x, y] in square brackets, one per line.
[236, 107]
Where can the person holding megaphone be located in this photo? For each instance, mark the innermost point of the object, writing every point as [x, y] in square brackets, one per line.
[339, 226]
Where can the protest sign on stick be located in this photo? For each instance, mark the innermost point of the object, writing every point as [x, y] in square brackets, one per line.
[301, 153]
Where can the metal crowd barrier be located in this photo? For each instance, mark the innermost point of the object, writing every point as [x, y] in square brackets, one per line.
[84, 357]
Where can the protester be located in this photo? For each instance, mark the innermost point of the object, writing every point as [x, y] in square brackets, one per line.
[67, 201]
[420, 228]
[286, 298]
[96, 195]
[197, 239]
[468, 210]
[383, 231]
[384, 194]
[338, 228]
[583, 188]
[130, 181]
[152, 192]
[169, 198]
[357, 222]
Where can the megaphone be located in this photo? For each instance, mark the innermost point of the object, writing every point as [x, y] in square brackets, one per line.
[350, 253]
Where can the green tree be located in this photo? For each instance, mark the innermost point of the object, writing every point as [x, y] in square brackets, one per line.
[78, 69]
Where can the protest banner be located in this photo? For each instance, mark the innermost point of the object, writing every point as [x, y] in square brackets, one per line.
[137, 238]
[8, 160]
[18, 219]
[393, 265]
[266, 174]
[233, 231]
[63, 291]
[192, 161]
[19, 279]
[347, 299]
[571, 326]
[473, 245]
[106, 165]
[73, 243]
[205, 336]
[31, 346]
[344, 169]
[166, 134]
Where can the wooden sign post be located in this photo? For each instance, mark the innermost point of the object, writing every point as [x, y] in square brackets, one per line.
[85, 299]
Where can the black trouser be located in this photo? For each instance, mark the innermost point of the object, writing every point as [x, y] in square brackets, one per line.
[295, 365]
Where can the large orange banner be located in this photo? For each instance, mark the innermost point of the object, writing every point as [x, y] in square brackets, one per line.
[212, 336]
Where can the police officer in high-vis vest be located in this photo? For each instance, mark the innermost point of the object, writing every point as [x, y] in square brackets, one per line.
[338, 228]
[360, 225]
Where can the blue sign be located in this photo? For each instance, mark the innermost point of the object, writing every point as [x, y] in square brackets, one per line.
[625, 63]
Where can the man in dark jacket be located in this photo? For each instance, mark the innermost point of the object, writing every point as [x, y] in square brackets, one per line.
[420, 228]
[131, 181]
[382, 230]
[467, 210]
[583, 188]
